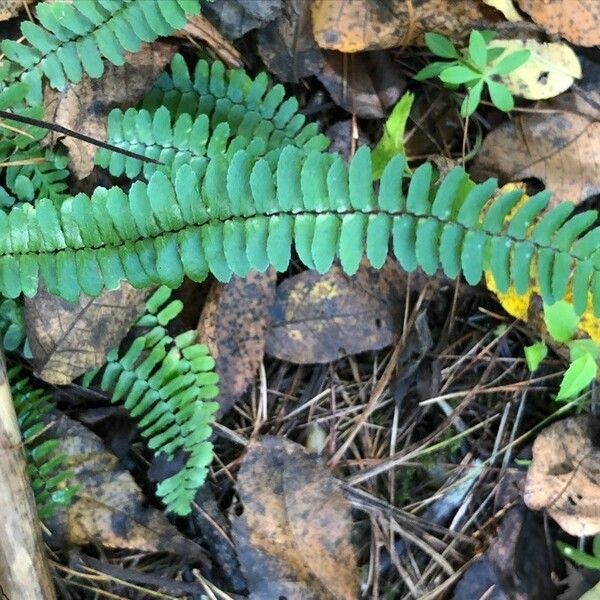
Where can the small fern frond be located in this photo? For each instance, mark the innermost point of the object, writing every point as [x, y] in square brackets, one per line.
[49, 477]
[73, 38]
[164, 383]
[231, 214]
[225, 106]
[13, 333]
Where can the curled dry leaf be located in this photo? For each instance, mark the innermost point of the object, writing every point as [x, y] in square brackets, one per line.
[233, 324]
[564, 475]
[560, 148]
[576, 20]
[84, 107]
[356, 25]
[320, 318]
[69, 339]
[109, 508]
[363, 84]
[552, 68]
[293, 538]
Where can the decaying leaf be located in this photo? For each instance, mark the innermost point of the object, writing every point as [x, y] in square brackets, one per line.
[109, 508]
[564, 475]
[519, 564]
[363, 84]
[560, 148]
[234, 18]
[293, 538]
[233, 324]
[68, 339]
[84, 107]
[507, 8]
[551, 69]
[576, 20]
[356, 25]
[320, 318]
[287, 45]
[11, 8]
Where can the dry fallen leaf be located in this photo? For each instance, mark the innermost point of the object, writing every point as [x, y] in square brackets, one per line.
[234, 18]
[293, 538]
[552, 68]
[507, 8]
[109, 508]
[68, 339]
[84, 107]
[560, 148]
[233, 324]
[564, 475]
[576, 20]
[320, 318]
[363, 84]
[356, 25]
[286, 44]
[11, 8]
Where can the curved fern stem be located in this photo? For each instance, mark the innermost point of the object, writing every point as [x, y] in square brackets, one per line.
[164, 383]
[228, 214]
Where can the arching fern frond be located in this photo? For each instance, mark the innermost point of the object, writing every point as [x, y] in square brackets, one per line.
[225, 106]
[165, 384]
[233, 214]
[73, 38]
[47, 471]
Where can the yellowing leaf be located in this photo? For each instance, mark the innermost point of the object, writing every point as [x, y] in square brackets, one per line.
[507, 8]
[551, 68]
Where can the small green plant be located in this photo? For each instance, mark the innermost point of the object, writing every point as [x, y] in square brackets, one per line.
[475, 67]
[580, 558]
[562, 322]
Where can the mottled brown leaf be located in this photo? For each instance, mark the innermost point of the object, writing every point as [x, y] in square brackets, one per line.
[84, 107]
[11, 8]
[564, 475]
[293, 538]
[320, 318]
[68, 339]
[576, 20]
[561, 148]
[363, 84]
[109, 508]
[233, 324]
[356, 25]
[286, 44]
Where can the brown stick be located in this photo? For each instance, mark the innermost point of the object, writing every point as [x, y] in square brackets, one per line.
[24, 573]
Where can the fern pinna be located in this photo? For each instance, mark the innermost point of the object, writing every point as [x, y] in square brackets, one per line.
[47, 471]
[165, 384]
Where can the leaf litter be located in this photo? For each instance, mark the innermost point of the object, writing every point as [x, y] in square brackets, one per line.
[418, 402]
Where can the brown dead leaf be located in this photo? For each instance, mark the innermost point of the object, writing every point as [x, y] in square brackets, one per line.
[564, 475]
[286, 44]
[356, 25]
[233, 324]
[561, 148]
[320, 318]
[234, 18]
[576, 20]
[293, 538]
[11, 8]
[519, 563]
[109, 508]
[68, 339]
[363, 84]
[84, 107]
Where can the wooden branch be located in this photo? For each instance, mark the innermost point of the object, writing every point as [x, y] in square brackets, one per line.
[24, 573]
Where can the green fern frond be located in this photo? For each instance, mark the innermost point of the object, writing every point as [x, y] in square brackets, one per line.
[13, 334]
[164, 383]
[49, 477]
[225, 106]
[73, 38]
[233, 214]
